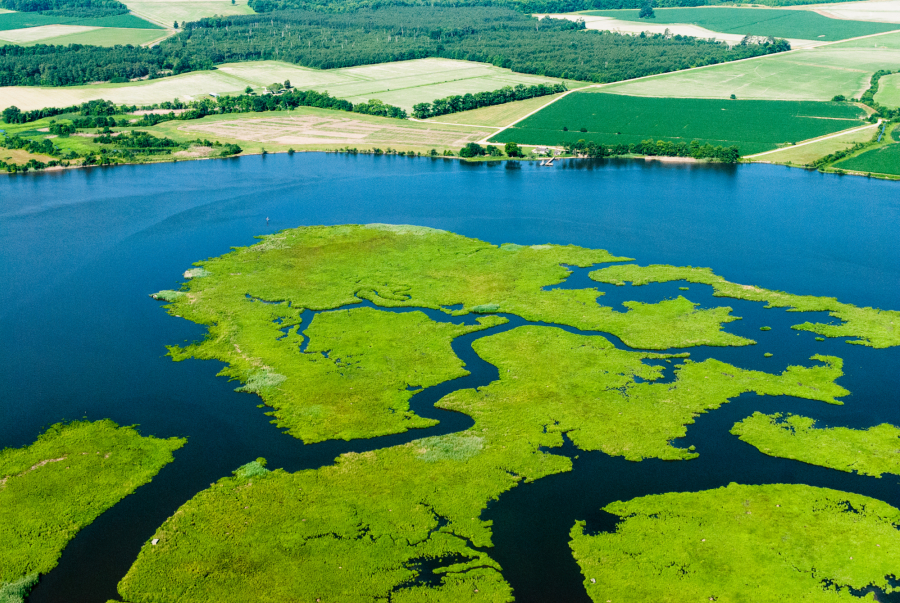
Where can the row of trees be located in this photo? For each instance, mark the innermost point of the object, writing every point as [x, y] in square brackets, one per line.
[467, 102]
[524, 6]
[82, 9]
[502, 37]
[659, 148]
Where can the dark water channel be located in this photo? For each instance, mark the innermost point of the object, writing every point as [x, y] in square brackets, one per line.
[80, 251]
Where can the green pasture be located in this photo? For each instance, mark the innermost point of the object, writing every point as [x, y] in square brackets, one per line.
[13, 20]
[889, 91]
[883, 160]
[889, 41]
[752, 126]
[800, 24]
[166, 12]
[814, 74]
[105, 36]
[807, 154]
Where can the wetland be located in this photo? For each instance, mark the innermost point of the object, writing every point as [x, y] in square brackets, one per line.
[491, 525]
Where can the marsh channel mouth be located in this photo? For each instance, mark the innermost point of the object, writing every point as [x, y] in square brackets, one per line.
[89, 245]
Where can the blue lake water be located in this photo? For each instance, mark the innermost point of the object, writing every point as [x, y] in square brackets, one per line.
[81, 250]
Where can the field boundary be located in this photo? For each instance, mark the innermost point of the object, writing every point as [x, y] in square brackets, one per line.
[815, 140]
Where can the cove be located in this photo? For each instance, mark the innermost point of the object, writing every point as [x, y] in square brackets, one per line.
[82, 250]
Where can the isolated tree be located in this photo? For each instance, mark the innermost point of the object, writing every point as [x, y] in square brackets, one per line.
[175, 25]
[647, 11]
[512, 149]
[287, 84]
[248, 90]
[11, 114]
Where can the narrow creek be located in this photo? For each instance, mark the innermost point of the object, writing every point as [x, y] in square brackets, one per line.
[530, 522]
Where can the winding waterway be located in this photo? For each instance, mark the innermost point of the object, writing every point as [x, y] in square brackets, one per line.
[80, 251]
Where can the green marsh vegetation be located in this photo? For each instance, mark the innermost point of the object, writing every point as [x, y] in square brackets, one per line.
[362, 528]
[56, 486]
[616, 120]
[872, 451]
[371, 352]
[871, 326]
[780, 542]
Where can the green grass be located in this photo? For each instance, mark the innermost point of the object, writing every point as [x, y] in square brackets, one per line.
[752, 126]
[105, 36]
[775, 542]
[872, 327]
[889, 91]
[799, 24]
[53, 488]
[889, 41]
[10, 21]
[807, 154]
[815, 74]
[872, 451]
[358, 530]
[883, 160]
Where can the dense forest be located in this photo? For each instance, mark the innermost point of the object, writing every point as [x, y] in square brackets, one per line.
[502, 37]
[82, 9]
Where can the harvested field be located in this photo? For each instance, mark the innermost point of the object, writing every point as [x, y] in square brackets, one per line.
[195, 152]
[334, 130]
[752, 126]
[883, 160]
[889, 91]
[34, 34]
[779, 23]
[20, 156]
[165, 12]
[885, 11]
[498, 115]
[403, 83]
[806, 154]
[682, 29]
[812, 74]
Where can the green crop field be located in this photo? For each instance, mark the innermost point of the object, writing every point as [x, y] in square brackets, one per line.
[10, 21]
[800, 24]
[165, 12]
[889, 91]
[752, 126]
[883, 160]
[808, 153]
[888, 41]
[403, 83]
[814, 74]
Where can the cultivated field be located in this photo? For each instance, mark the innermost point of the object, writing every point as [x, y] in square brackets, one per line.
[889, 91]
[308, 128]
[64, 35]
[165, 12]
[804, 25]
[403, 83]
[883, 160]
[13, 20]
[887, 11]
[752, 126]
[498, 115]
[806, 154]
[812, 74]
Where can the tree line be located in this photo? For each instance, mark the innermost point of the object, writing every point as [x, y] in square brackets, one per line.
[467, 102]
[499, 36]
[659, 148]
[82, 9]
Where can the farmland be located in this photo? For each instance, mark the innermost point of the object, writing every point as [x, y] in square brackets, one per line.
[812, 74]
[889, 91]
[498, 115]
[165, 12]
[805, 25]
[808, 153]
[76, 34]
[752, 126]
[403, 83]
[881, 160]
[14, 20]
